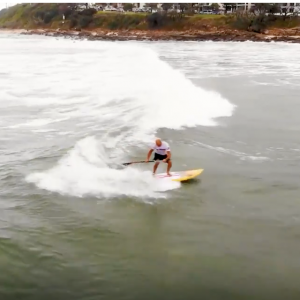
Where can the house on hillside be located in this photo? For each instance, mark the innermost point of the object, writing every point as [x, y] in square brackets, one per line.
[236, 6]
[289, 7]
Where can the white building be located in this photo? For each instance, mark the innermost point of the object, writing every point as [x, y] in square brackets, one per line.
[289, 7]
[237, 6]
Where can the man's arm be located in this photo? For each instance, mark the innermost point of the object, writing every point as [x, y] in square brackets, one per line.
[168, 154]
[149, 154]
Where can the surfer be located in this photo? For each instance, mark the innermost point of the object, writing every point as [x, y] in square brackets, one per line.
[162, 152]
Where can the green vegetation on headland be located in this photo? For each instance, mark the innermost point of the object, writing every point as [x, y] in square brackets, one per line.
[67, 17]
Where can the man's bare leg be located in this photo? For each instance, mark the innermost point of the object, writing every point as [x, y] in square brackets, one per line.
[155, 167]
[169, 168]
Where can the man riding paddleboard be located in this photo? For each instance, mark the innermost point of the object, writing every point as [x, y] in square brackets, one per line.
[162, 152]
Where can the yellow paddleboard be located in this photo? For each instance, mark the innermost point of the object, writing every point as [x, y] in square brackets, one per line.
[181, 175]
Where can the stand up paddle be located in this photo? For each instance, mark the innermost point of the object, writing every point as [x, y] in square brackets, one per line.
[136, 162]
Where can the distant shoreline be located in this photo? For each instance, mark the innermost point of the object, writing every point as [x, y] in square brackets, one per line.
[70, 21]
[149, 35]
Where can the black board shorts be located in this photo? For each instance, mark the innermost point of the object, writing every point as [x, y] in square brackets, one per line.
[160, 157]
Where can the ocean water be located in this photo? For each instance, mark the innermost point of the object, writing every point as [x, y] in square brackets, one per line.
[77, 224]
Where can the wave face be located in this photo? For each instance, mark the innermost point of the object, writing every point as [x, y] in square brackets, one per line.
[110, 99]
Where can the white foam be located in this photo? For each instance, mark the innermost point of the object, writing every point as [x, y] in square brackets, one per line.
[84, 171]
[155, 93]
[43, 130]
[241, 155]
[37, 123]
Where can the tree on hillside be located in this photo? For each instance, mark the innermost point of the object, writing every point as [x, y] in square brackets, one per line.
[285, 11]
[152, 6]
[215, 6]
[196, 6]
[128, 6]
[62, 7]
[65, 10]
[263, 8]
[274, 8]
[259, 18]
[166, 6]
[183, 7]
[191, 8]
[101, 4]
[73, 6]
[80, 4]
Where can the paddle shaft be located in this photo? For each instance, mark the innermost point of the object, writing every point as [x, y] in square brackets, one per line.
[137, 162]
